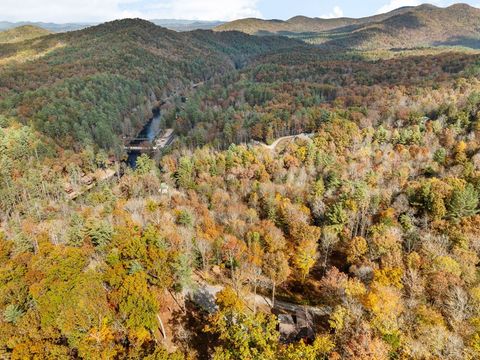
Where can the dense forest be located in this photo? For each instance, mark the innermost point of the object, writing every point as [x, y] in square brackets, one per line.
[362, 228]
[93, 85]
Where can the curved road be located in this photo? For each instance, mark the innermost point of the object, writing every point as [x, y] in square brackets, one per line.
[273, 145]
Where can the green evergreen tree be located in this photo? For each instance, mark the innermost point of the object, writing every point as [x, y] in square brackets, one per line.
[12, 313]
[463, 202]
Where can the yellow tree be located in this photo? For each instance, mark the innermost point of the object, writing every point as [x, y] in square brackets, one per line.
[305, 257]
[306, 247]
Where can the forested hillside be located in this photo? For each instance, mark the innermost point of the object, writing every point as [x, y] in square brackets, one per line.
[407, 27]
[84, 86]
[423, 26]
[263, 102]
[314, 204]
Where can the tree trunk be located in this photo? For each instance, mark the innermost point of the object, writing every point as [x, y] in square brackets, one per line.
[273, 294]
[161, 326]
[255, 297]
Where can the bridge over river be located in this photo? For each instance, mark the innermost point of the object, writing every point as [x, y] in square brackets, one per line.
[150, 140]
[144, 145]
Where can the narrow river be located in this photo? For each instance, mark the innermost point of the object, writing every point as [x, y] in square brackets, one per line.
[148, 133]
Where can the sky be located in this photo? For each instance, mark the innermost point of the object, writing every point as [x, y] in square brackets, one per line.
[63, 11]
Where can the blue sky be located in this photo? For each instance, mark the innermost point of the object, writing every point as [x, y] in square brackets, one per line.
[284, 9]
[102, 10]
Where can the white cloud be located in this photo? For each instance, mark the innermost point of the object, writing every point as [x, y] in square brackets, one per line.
[395, 4]
[337, 12]
[206, 9]
[62, 11]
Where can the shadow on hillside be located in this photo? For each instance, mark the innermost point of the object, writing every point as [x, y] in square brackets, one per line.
[408, 21]
[371, 35]
[460, 41]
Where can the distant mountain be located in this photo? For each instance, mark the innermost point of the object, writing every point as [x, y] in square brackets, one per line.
[172, 24]
[22, 33]
[301, 24]
[407, 27]
[52, 27]
[422, 26]
[186, 25]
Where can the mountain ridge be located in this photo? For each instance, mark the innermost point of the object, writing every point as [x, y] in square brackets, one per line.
[422, 26]
[425, 25]
[21, 33]
[297, 23]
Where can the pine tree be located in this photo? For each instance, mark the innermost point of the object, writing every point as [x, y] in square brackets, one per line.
[12, 313]
[463, 202]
